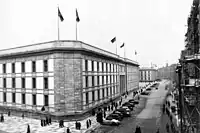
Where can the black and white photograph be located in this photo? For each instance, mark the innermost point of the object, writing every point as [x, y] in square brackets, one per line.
[99, 66]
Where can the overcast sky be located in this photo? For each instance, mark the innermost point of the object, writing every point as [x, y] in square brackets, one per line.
[154, 28]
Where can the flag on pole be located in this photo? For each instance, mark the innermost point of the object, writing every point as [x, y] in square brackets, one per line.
[113, 40]
[135, 52]
[122, 45]
[77, 17]
[60, 15]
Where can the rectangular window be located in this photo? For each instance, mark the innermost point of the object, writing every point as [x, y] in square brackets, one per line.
[33, 82]
[34, 99]
[23, 67]
[86, 81]
[102, 67]
[106, 67]
[46, 100]
[103, 93]
[98, 80]
[86, 65]
[107, 91]
[13, 82]
[86, 98]
[102, 80]
[13, 67]
[93, 96]
[4, 97]
[113, 89]
[110, 78]
[113, 68]
[13, 98]
[45, 62]
[97, 66]
[4, 82]
[113, 78]
[46, 83]
[106, 79]
[23, 99]
[92, 62]
[33, 66]
[110, 91]
[4, 68]
[98, 93]
[23, 83]
[110, 68]
[92, 80]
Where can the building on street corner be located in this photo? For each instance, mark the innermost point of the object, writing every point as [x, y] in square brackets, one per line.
[148, 74]
[65, 77]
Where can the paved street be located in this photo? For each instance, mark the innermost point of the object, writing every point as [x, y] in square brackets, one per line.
[147, 115]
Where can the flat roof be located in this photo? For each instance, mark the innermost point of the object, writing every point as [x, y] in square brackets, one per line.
[148, 68]
[61, 45]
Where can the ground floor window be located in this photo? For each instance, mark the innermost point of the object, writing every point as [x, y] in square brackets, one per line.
[46, 100]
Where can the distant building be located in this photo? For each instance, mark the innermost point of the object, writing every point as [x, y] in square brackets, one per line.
[65, 77]
[148, 74]
[168, 72]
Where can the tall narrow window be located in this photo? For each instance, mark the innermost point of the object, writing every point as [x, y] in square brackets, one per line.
[107, 92]
[110, 91]
[93, 81]
[110, 78]
[113, 68]
[13, 67]
[34, 82]
[98, 93]
[106, 79]
[86, 98]
[4, 82]
[113, 78]
[4, 68]
[102, 67]
[93, 96]
[86, 81]
[46, 100]
[45, 83]
[102, 80]
[45, 62]
[103, 93]
[13, 82]
[114, 90]
[23, 83]
[110, 68]
[23, 99]
[106, 67]
[4, 97]
[34, 99]
[13, 98]
[33, 66]
[98, 80]
[23, 67]
[92, 62]
[97, 66]
[86, 65]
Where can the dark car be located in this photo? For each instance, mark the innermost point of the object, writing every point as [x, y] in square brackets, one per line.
[144, 93]
[124, 111]
[129, 106]
[148, 89]
[114, 116]
[128, 103]
[118, 113]
[156, 88]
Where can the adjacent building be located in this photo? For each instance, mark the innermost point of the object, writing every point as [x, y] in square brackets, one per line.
[148, 74]
[65, 77]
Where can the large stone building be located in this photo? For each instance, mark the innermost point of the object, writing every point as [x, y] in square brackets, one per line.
[148, 74]
[66, 77]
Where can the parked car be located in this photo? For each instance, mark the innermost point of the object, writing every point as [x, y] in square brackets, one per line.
[145, 93]
[114, 116]
[129, 106]
[134, 102]
[148, 89]
[125, 107]
[129, 103]
[156, 88]
[124, 112]
[118, 113]
[112, 122]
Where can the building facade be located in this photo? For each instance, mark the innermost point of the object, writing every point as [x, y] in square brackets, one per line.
[148, 74]
[66, 77]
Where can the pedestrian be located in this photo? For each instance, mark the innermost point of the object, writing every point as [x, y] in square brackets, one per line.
[47, 121]
[90, 122]
[28, 129]
[2, 117]
[68, 130]
[79, 126]
[50, 120]
[87, 124]
[104, 114]
[9, 113]
[76, 125]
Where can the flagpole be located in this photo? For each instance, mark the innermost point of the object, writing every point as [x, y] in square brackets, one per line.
[58, 29]
[76, 30]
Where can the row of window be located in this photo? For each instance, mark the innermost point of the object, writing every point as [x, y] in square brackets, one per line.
[23, 96]
[112, 92]
[107, 67]
[104, 80]
[45, 67]
[23, 82]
